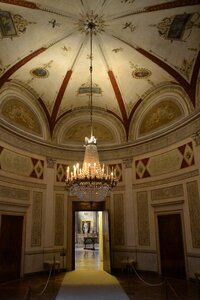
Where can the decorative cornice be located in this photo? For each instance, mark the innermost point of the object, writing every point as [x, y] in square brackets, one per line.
[119, 152]
[167, 180]
[167, 203]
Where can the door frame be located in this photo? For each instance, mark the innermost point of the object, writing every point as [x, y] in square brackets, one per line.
[18, 214]
[76, 205]
[170, 212]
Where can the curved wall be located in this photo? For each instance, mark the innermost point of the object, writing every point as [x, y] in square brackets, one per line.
[156, 176]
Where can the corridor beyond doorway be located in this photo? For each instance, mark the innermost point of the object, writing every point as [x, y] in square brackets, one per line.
[88, 236]
[87, 259]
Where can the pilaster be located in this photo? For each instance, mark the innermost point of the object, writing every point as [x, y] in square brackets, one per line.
[128, 203]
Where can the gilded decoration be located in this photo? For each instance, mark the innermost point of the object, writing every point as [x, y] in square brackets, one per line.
[36, 229]
[186, 67]
[194, 210]
[19, 114]
[59, 220]
[178, 27]
[85, 89]
[54, 23]
[98, 21]
[159, 115]
[2, 68]
[51, 162]
[16, 163]
[77, 132]
[167, 193]
[12, 25]
[61, 172]
[128, 162]
[116, 50]
[129, 25]
[118, 219]
[143, 219]
[138, 72]
[40, 72]
[167, 162]
[12, 193]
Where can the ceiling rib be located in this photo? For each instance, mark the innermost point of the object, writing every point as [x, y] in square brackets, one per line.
[163, 6]
[59, 99]
[119, 100]
[180, 79]
[19, 64]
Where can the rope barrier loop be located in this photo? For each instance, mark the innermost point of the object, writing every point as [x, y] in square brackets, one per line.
[166, 282]
[29, 291]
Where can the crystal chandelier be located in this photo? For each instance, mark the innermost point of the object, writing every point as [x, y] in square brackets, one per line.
[93, 181]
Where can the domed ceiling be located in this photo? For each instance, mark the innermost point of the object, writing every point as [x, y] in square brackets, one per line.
[145, 68]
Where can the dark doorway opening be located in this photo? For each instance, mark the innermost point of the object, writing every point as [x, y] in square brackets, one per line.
[171, 246]
[10, 247]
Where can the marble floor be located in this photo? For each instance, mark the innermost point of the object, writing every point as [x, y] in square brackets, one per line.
[135, 288]
[87, 259]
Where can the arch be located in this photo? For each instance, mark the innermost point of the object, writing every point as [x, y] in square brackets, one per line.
[161, 109]
[72, 129]
[19, 111]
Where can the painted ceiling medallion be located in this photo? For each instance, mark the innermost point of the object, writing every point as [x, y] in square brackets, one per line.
[39, 72]
[96, 20]
[140, 73]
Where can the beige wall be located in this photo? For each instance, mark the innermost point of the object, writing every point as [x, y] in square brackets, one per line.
[152, 183]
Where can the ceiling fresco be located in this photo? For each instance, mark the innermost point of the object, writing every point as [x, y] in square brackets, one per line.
[139, 48]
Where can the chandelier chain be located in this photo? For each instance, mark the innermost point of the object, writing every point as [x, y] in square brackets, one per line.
[91, 79]
[92, 181]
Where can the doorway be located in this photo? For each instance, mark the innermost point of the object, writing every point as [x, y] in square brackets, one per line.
[88, 235]
[103, 245]
[171, 246]
[10, 247]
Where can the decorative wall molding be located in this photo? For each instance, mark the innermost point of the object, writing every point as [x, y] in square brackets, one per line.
[194, 210]
[118, 219]
[141, 146]
[135, 251]
[170, 179]
[59, 220]
[61, 172]
[19, 182]
[166, 162]
[168, 192]
[167, 203]
[14, 193]
[143, 219]
[196, 255]
[36, 229]
[20, 164]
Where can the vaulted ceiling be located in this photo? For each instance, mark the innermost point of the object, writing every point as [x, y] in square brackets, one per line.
[145, 68]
